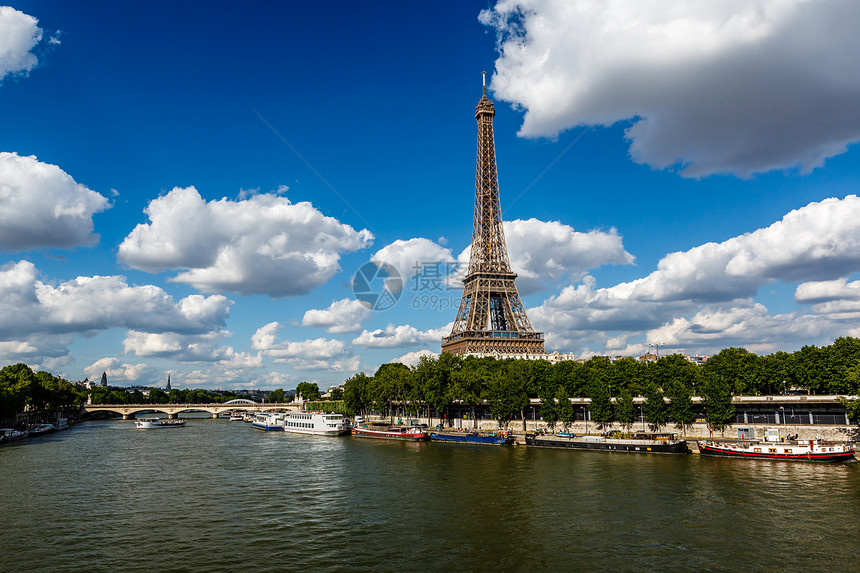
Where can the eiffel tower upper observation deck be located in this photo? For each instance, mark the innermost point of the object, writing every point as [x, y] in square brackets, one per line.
[491, 319]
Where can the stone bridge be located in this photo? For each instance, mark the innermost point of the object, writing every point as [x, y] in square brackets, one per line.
[129, 411]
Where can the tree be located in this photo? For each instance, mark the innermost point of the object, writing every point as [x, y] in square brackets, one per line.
[277, 396]
[309, 391]
[467, 385]
[739, 367]
[565, 409]
[717, 400]
[391, 384]
[681, 405]
[156, 396]
[549, 410]
[506, 396]
[601, 406]
[625, 409]
[655, 409]
[336, 394]
[356, 394]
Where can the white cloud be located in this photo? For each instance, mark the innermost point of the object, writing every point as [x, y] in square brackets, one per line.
[818, 241]
[749, 326]
[190, 348]
[37, 317]
[413, 358]
[397, 336]
[838, 299]
[42, 206]
[316, 354]
[263, 244]
[345, 315]
[739, 86]
[117, 372]
[543, 253]
[19, 33]
[409, 257]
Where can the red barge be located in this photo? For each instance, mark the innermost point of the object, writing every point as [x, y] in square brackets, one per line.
[801, 451]
[403, 433]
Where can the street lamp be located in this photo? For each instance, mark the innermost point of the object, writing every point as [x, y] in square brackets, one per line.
[784, 426]
[657, 345]
[784, 388]
[585, 418]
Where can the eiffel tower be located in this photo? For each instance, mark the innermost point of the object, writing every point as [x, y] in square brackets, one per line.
[491, 319]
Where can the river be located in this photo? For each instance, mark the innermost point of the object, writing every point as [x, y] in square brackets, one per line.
[220, 496]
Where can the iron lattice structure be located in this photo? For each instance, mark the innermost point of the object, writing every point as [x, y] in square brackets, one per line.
[491, 318]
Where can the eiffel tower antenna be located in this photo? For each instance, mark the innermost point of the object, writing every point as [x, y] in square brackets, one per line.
[491, 318]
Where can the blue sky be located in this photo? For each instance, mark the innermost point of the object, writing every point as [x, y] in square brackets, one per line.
[188, 188]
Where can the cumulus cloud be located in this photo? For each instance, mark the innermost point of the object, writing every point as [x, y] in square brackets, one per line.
[263, 244]
[42, 206]
[737, 86]
[413, 358]
[819, 243]
[36, 317]
[345, 315]
[403, 335]
[189, 348]
[118, 372]
[19, 33]
[411, 256]
[838, 299]
[749, 326]
[316, 354]
[543, 253]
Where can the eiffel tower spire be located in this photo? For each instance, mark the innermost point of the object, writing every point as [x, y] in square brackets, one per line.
[491, 318]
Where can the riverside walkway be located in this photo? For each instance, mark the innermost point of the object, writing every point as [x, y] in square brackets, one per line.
[129, 411]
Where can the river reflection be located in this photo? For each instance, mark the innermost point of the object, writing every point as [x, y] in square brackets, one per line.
[217, 495]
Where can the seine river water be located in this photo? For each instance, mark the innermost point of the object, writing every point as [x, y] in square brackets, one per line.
[220, 496]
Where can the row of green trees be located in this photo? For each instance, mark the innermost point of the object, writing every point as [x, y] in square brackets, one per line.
[21, 388]
[667, 384]
[506, 387]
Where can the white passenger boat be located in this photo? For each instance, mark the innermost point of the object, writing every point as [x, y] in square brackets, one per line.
[236, 416]
[153, 423]
[269, 421]
[317, 423]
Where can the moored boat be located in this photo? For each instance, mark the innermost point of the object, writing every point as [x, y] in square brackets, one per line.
[404, 433]
[269, 421]
[316, 423]
[491, 439]
[154, 423]
[235, 416]
[643, 443]
[12, 435]
[799, 451]
[41, 429]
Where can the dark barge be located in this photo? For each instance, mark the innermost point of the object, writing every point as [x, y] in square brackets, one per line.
[643, 443]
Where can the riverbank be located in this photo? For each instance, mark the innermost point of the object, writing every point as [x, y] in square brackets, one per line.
[833, 433]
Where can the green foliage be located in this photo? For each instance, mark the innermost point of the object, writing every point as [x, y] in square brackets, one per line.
[277, 396]
[156, 396]
[309, 391]
[356, 394]
[681, 406]
[601, 406]
[625, 409]
[564, 409]
[656, 412]
[717, 400]
[336, 394]
[334, 406]
[506, 395]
